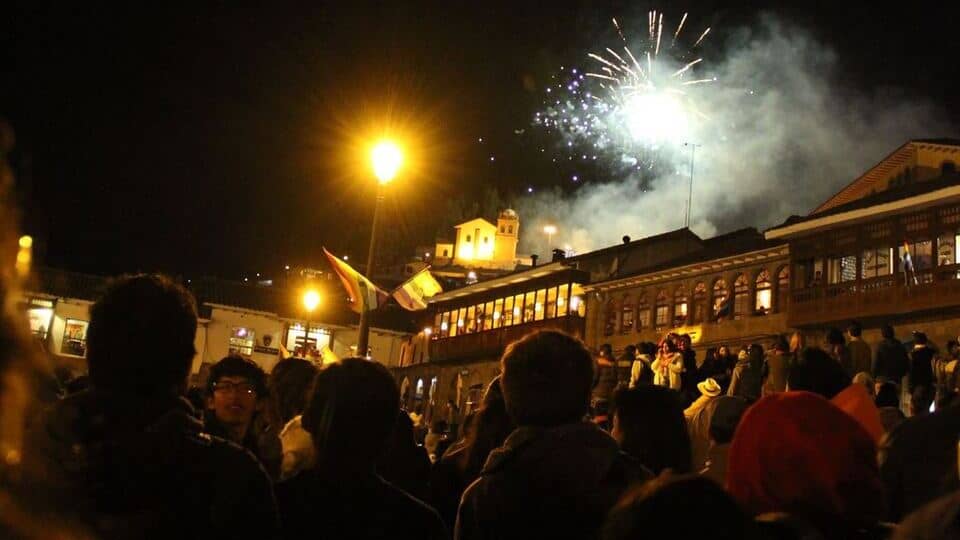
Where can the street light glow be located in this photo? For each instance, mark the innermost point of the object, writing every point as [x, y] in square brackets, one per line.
[550, 230]
[387, 158]
[311, 299]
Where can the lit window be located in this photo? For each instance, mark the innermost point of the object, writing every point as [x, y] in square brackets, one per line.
[699, 302]
[538, 306]
[720, 293]
[741, 296]
[626, 315]
[469, 239]
[562, 300]
[40, 314]
[663, 310]
[319, 337]
[528, 306]
[764, 293]
[842, 269]
[74, 338]
[610, 325]
[242, 340]
[680, 307]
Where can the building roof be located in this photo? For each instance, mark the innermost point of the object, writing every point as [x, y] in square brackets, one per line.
[876, 175]
[475, 220]
[633, 244]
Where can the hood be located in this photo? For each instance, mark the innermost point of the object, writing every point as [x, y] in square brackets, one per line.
[856, 401]
[545, 451]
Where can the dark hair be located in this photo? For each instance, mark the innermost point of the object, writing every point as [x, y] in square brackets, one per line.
[547, 378]
[651, 427]
[755, 353]
[854, 329]
[887, 396]
[351, 412]
[649, 347]
[781, 344]
[835, 337]
[816, 371]
[128, 316]
[646, 511]
[630, 351]
[237, 366]
[887, 331]
[606, 349]
[490, 428]
[288, 385]
[919, 338]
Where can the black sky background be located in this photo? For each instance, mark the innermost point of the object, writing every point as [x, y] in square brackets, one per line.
[212, 139]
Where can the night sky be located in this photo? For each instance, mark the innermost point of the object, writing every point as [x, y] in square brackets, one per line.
[225, 141]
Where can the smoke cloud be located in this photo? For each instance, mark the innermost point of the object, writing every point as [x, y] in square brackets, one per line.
[783, 134]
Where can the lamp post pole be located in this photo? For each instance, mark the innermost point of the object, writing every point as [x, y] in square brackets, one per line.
[363, 336]
[693, 153]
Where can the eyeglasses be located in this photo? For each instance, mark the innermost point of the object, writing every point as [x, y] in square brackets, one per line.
[227, 386]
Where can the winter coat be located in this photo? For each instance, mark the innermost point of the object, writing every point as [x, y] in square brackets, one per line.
[667, 369]
[641, 372]
[606, 380]
[337, 505]
[747, 380]
[547, 483]
[698, 417]
[891, 361]
[298, 450]
[262, 441]
[921, 367]
[860, 356]
[777, 367]
[146, 469]
[717, 368]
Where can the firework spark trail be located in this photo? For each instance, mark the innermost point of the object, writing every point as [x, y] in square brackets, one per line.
[659, 33]
[703, 35]
[679, 27]
[682, 70]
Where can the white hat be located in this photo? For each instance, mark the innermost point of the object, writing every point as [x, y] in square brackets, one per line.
[709, 388]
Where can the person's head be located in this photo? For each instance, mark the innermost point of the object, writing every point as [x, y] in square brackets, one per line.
[648, 423]
[547, 378]
[289, 383]
[493, 392]
[952, 348]
[920, 400]
[726, 417]
[351, 413]
[797, 342]
[670, 346]
[723, 351]
[649, 348]
[886, 331]
[835, 337]
[866, 380]
[684, 342]
[755, 353]
[630, 351]
[854, 329]
[919, 338]
[491, 426]
[887, 395]
[124, 320]
[816, 371]
[234, 390]
[645, 510]
[606, 350]
[798, 453]
[780, 344]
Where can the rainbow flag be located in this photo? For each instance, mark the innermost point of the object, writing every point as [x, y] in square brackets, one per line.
[412, 294]
[363, 293]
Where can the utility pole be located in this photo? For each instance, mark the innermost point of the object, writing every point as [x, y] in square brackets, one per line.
[693, 152]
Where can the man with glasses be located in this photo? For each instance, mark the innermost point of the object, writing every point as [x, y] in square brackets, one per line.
[236, 390]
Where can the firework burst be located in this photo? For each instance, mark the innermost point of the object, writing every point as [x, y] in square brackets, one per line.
[633, 102]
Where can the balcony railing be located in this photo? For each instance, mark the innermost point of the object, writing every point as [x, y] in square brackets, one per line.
[877, 297]
[492, 342]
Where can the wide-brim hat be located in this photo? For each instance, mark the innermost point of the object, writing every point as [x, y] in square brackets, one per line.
[709, 388]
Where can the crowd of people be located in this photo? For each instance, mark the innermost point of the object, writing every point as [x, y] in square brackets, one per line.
[792, 443]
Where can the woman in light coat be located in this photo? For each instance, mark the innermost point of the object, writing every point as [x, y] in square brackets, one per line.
[668, 366]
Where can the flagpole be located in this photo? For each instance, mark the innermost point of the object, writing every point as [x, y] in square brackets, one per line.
[363, 336]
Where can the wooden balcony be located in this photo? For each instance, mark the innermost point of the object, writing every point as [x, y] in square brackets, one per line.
[490, 343]
[879, 298]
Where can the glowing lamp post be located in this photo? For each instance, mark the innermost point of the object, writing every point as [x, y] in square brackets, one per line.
[311, 299]
[386, 159]
[549, 230]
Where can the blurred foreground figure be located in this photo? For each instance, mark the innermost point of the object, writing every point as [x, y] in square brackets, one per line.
[129, 454]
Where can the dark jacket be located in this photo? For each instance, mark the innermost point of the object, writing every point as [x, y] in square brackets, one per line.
[605, 380]
[146, 470]
[921, 368]
[747, 380]
[918, 461]
[448, 480]
[775, 371]
[317, 505]
[547, 483]
[262, 441]
[891, 360]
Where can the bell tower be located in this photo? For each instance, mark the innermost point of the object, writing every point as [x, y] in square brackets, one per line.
[508, 234]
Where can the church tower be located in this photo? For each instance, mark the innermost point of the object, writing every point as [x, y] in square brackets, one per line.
[508, 233]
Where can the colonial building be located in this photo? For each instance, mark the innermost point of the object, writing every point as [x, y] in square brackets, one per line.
[234, 318]
[883, 249]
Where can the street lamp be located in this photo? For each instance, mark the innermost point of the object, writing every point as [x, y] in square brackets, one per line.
[311, 299]
[386, 158]
[549, 230]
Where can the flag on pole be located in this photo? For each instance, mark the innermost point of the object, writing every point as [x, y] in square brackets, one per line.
[363, 293]
[327, 356]
[412, 294]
